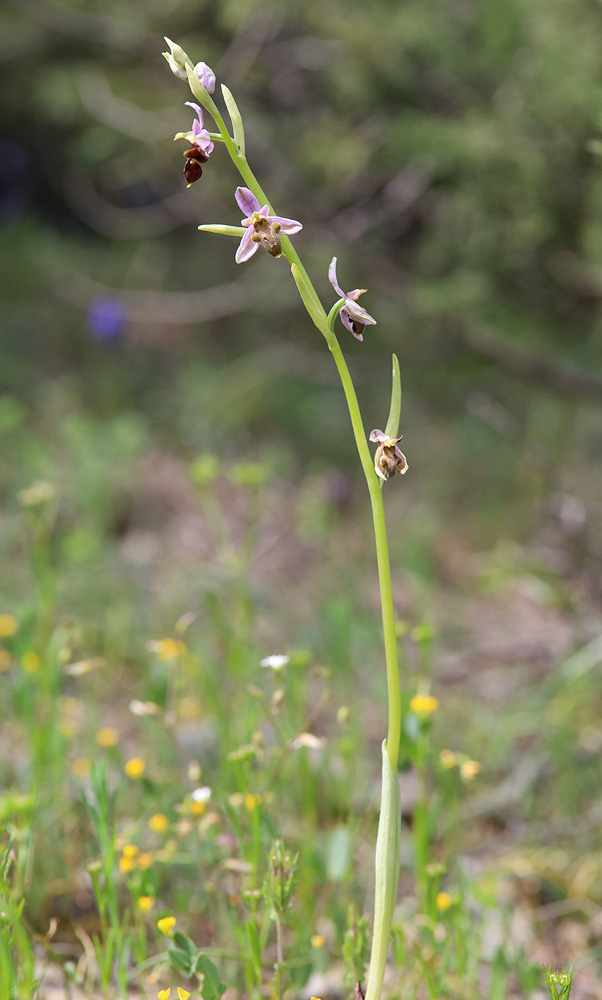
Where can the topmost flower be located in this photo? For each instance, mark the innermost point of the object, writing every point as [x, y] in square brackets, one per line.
[176, 59]
[262, 228]
[352, 316]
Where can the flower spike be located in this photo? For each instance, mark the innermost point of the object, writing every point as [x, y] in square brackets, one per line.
[261, 227]
[352, 316]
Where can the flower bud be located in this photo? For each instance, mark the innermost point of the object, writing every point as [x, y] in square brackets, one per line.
[206, 76]
[177, 59]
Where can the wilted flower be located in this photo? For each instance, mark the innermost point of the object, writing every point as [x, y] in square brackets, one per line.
[388, 458]
[262, 228]
[206, 76]
[201, 145]
[352, 316]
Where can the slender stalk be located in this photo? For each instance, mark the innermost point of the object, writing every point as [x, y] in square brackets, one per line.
[387, 863]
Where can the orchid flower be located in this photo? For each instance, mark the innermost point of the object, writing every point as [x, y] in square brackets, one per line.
[352, 316]
[200, 146]
[262, 228]
[388, 459]
[198, 135]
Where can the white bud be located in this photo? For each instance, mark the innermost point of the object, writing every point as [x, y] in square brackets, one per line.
[176, 59]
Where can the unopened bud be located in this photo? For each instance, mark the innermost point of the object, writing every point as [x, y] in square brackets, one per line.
[177, 59]
[206, 76]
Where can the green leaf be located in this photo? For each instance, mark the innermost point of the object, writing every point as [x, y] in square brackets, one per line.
[338, 855]
[223, 230]
[254, 944]
[180, 960]
[182, 941]
[392, 428]
[236, 119]
[387, 875]
[213, 987]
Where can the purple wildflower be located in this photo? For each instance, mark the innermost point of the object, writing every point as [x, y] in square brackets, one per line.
[389, 459]
[206, 76]
[261, 227]
[107, 320]
[199, 135]
[353, 316]
[200, 146]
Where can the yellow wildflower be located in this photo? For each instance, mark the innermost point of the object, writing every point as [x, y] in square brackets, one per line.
[182, 994]
[252, 801]
[135, 767]
[469, 769]
[31, 661]
[424, 704]
[167, 649]
[80, 767]
[163, 994]
[443, 901]
[448, 759]
[125, 865]
[130, 850]
[146, 903]
[159, 823]
[8, 626]
[318, 941]
[145, 860]
[107, 737]
[166, 924]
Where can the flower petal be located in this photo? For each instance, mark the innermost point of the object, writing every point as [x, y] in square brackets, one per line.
[332, 277]
[198, 109]
[357, 313]
[246, 201]
[377, 436]
[287, 226]
[247, 247]
[347, 321]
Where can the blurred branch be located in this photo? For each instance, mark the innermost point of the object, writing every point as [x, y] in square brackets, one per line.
[96, 28]
[126, 223]
[101, 104]
[569, 380]
[148, 306]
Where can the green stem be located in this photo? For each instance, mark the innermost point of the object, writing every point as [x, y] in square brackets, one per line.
[388, 864]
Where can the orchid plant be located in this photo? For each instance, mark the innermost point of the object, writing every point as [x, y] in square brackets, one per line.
[263, 227]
